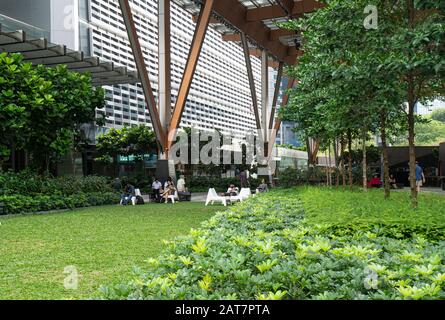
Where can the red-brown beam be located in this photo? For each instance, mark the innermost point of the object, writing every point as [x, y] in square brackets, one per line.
[251, 80]
[235, 14]
[276, 94]
[142, 70]
[276, 11]
[277, 124]
[190, 67]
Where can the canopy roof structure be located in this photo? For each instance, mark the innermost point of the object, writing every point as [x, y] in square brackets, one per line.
[251, 23]
[258, 19]
[41, 51]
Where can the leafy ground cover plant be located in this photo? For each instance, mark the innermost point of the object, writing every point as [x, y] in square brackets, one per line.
[267, 248]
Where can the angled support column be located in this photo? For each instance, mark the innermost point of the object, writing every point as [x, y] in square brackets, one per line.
[251, 80]
[164, 51]
[190, 67]
[142, 70]
[276, 94]
[277, 124]
[264, 95]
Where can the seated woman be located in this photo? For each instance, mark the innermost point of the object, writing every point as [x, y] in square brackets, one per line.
[169, 189]
[231, 191]
[393, 182]
[262, 187]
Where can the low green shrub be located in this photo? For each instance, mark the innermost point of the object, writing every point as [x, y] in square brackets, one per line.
[16, 204]
[265, 248]
[29, 183]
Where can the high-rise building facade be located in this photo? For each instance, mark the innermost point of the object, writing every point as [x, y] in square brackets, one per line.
[220, 94]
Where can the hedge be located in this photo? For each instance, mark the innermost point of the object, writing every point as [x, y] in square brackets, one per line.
[29, 183]
[264, 248]
[27, 204]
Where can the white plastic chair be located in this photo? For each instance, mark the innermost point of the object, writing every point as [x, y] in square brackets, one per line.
[173, 197]
[243, 195]
[212, 196]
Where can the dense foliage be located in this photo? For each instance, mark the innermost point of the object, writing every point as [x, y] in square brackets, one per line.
[438, 115]
[266, 248]
[42, 110]
[27, 204]
[364, 71]
[29, 192]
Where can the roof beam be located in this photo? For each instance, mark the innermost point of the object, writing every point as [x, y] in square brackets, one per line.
[273, 35]
[212, 20]
[235, 14]
[276, 11]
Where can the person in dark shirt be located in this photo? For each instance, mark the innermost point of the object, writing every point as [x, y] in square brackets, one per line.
[129, 192]
[420, 177]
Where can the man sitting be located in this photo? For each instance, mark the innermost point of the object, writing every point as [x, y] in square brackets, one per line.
[156, 187]
[129, 193]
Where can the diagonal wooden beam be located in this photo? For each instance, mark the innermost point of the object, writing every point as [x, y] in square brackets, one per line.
[142, 70]
[277, 125]
[246, 51]
[190, 67]
[276, 94]
[234, 13]
[277, 11]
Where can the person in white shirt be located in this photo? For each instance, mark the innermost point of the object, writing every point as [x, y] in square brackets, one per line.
[156, 186]
[181, 184]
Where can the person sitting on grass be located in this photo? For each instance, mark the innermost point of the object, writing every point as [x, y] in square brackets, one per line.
[129, 193]
[263, 187]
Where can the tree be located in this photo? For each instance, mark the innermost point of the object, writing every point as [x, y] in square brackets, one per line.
[43, 109]
[21, 90]
[70, 103]
[127, 141]
[438, 115]
[415, 59]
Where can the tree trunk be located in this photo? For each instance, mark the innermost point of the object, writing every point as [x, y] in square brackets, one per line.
[13, 157]
[411, 122]
[337, 170]
[342, 162]
[329, 165]
[364, 163]
[412, 150]
[385, 155]
[350, 159]
[309, 157]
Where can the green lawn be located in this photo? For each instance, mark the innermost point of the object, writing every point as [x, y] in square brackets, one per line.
[338, 207]
[103, 243]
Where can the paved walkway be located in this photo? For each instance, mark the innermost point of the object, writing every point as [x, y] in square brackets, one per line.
[426, 189]
[196, 197]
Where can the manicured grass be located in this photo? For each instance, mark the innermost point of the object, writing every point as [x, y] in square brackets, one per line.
[338, 207]
[103, 243]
